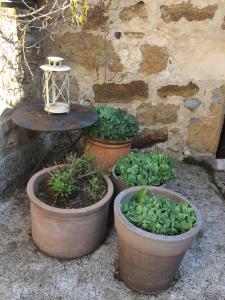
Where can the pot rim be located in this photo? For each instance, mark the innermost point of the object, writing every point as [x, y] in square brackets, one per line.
[35, 200]
[157, 237]
[129, 141]
[117, 178]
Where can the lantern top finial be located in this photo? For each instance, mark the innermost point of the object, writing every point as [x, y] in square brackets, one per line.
[55, 58]
[55, 65]
[54, 61]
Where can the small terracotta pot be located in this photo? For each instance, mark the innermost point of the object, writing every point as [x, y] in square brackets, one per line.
[118, 184]
[106, 153]
[148, 262]
[67, 233]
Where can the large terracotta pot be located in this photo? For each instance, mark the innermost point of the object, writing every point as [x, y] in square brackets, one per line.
[106, 153]
[148, 262]
[67, 233]
[118, 184]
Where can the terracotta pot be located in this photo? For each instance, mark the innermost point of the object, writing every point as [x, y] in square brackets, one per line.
[118, 184]
[67, 233]
[148, 262]
[106, 153]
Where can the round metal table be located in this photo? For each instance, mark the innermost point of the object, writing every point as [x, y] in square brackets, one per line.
[32, 116]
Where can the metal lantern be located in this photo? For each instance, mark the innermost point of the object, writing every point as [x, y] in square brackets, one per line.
[56, 86]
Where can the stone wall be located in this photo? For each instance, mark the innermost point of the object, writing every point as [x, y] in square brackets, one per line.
[19, 149]
[163, 60]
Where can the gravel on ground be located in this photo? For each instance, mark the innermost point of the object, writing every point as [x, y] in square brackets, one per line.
[27, 273]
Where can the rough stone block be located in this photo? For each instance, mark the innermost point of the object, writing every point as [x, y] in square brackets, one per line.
[223, 24]
[204, 134]
[149, 114]
[188, 11]
[120, 93]
[192, 103]
[17, 164]
[87, 50]
[134, 34]
[176, 90]
[149, 137]
[217, 101]
[155, 59]
[96, 20]
[137, 10]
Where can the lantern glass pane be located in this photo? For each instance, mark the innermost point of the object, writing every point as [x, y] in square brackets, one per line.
[56, 86]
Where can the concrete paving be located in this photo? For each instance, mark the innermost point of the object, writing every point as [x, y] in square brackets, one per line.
[26, 273]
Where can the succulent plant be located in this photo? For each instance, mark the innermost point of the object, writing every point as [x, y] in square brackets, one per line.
[152, 168]
[114, 124]
[158, 214]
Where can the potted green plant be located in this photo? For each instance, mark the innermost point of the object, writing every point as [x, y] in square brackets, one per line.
[155, 227]
[69, 207]
[137, 168]
[111, 136]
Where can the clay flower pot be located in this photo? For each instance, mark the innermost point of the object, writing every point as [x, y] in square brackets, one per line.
[118, 184]
[106, 153]
[67, 233]
[148, 262]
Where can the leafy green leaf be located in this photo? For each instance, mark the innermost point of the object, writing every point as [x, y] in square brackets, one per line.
[158, 214]
[114, 124]
[151, 168]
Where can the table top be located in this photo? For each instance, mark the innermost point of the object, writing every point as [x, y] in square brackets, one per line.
[32, 116]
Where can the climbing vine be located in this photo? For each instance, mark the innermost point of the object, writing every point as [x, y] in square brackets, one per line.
[37, 24]
[41, 21]
[79, 11]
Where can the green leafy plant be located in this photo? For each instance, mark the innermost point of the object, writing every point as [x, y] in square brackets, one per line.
[93, 187]
[158, 214]
[62, 183]
[114, 124]
[64, 180]
[151, 168]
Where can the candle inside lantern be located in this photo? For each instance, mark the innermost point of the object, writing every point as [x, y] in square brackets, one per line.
[56, 86]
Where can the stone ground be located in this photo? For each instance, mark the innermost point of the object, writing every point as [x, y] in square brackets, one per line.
[26, 273]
